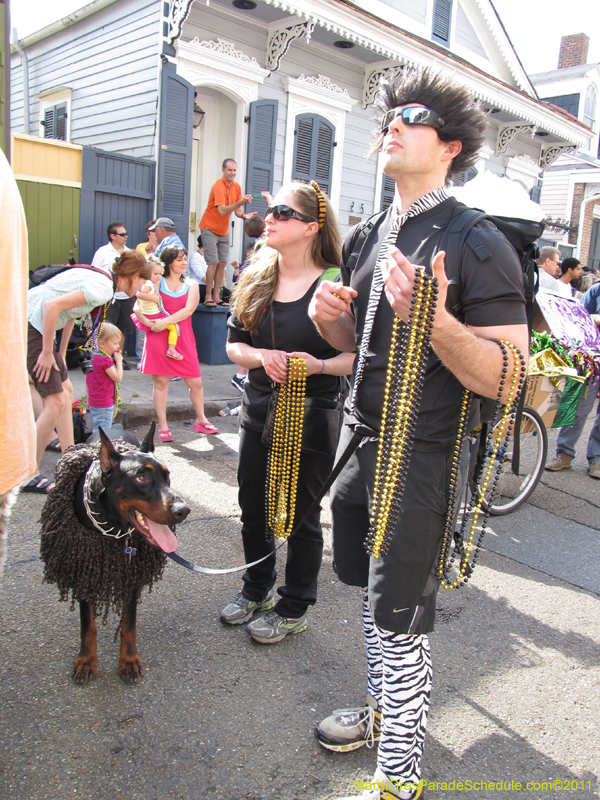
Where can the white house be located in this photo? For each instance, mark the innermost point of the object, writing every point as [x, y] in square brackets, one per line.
[286, 87]
[571, 189]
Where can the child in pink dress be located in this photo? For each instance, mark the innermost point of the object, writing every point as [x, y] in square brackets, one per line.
[103, 382]
[149, 303]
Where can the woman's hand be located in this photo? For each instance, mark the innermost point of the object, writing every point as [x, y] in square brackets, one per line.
[314, 366]
[275, 364]
[158, 325]
[44, 365]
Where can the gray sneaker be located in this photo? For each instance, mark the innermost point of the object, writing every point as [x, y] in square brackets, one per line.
[594, 469]
[272, 627]
[350, 728]
[562, 461]
[242, 609]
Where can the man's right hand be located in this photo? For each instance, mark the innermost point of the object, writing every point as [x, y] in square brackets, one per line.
[330, 301]
[43, 366]
[247, 198]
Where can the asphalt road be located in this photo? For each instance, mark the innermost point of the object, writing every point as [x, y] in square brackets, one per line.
[516, 665]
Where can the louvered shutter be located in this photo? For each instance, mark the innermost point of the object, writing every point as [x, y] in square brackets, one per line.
[261, 151]
[60, 122]
[464, 177]
[442, 14]
[175, 155]
[49, 114]
[388, 190]
[313, 150]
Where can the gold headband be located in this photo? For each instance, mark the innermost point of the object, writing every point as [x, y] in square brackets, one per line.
[321, 202]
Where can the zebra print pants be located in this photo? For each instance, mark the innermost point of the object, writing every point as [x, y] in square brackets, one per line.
[399, 678]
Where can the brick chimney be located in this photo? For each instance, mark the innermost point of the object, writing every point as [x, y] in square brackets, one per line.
[573, 50]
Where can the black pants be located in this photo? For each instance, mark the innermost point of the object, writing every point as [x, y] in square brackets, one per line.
[304, 548]
[402, 585]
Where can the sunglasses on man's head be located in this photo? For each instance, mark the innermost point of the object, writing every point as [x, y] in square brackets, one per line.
[282, 213]
[413, 115]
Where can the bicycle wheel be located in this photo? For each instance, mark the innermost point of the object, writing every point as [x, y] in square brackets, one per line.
[512, 490]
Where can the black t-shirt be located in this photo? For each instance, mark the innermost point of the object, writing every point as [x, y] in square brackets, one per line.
[287, 327]
[491, 294]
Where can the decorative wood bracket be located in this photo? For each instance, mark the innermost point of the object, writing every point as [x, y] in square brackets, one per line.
[509, 132]
[280, 40]
[550, 152]
[375, 76]
[178, 13]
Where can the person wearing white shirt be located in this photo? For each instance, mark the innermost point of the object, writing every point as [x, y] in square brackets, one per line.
[549, 270]
[120, 311]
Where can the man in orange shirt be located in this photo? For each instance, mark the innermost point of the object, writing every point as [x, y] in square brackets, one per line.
[225, 197]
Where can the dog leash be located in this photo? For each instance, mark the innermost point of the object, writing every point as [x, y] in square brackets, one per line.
[338, 467]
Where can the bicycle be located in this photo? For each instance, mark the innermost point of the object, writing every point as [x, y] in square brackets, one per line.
[512, 490]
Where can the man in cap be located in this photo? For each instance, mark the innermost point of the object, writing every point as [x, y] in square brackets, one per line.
[164, 228]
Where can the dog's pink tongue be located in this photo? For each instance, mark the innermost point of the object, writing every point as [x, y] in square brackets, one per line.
[162, 535]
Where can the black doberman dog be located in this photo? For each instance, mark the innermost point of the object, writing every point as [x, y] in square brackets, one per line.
[123, 497]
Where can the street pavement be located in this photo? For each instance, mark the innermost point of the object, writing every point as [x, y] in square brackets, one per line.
[516, 656]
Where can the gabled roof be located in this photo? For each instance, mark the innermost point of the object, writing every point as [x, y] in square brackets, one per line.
[568, 72]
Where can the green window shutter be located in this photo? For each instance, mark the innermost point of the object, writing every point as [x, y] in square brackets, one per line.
[60, 122]
[313, 150]
[262, 133]
[49, 114]
[442, 14]
[388, 190]
[175, 153]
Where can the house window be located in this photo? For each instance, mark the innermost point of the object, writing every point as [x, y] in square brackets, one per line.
[442, 15]
[464, 177]
[589, 111]
[55, 112]
[313, 150]
[55, 122]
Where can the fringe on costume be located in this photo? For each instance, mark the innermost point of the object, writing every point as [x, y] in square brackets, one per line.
[84, 564]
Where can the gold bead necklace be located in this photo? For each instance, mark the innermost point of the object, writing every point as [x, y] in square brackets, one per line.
[496, 442]
[283, 465]
[409, 349]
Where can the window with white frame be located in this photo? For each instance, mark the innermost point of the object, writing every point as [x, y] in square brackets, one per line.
[55, 114]
[589, 111]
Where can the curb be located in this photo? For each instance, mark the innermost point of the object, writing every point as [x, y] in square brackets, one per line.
[135, 415]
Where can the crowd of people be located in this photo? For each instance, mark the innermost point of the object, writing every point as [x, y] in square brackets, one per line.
[287, 304]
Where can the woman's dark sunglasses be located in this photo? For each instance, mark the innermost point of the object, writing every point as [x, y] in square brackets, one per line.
[283, 213]
[413, 115]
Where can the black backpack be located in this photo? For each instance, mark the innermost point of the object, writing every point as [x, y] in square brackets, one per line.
[461, 230]
[46, 272]
[521, 234]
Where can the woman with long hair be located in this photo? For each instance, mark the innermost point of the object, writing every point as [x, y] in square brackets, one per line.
[54, 306]
[180, 298]
[269, 324]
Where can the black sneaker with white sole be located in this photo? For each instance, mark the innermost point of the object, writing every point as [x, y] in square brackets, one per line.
[238, 382]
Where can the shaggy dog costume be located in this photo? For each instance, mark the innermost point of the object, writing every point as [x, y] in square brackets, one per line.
[84, 564]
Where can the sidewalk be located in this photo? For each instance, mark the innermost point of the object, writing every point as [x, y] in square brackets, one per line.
[136, 406]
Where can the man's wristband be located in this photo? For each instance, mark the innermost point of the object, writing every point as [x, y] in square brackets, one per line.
[320, 372]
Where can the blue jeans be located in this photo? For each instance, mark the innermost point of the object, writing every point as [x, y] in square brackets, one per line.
[568, 436]
[103, 417]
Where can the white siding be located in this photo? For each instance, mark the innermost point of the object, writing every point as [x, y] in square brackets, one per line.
[358, 173]
[555, 193]
[110, 62]
[465, 34]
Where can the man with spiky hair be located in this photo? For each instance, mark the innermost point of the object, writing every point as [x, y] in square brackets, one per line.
[431, 129]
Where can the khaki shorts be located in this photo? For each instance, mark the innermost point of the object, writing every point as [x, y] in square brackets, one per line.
[54, 384]
[216, 248]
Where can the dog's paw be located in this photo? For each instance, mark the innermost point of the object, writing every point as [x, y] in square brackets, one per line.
[84, 669]
[131, 669]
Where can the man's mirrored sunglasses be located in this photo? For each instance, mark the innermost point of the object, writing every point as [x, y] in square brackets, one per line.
[413, 115]
[283, 213]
